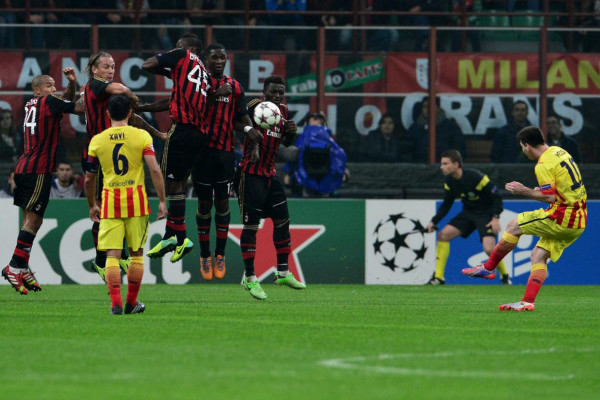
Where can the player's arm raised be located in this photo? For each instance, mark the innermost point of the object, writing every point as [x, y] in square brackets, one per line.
[159, 184]
[153, 66]
[69, 93]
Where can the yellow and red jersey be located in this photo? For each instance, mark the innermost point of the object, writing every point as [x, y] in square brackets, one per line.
[120, 151]
[558, 174]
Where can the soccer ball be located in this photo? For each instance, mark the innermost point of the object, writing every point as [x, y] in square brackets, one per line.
[399, 242]
[267, 115]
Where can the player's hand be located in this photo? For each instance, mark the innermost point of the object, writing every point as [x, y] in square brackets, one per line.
[431, 227]
[495, 225]
[290, 125]
[515, 187]
[254, 154]
[255, 136]
[224, 90]
[95, 213]
[70, 74]
[162, 210]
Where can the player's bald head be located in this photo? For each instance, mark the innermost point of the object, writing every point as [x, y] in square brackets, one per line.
[39, 81]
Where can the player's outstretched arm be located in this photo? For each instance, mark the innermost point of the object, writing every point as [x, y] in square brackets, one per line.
[118, 88]
[159, 106]
[158, 182]
[139, 122]
[90, 194]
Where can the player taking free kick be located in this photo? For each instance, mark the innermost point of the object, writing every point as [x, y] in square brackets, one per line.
[558, 226]
[120, 151]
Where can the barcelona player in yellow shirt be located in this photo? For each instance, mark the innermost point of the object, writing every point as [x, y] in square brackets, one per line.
[121, 151]
[557, 226]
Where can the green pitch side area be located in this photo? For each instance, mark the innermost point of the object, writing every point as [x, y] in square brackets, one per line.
[327, 342]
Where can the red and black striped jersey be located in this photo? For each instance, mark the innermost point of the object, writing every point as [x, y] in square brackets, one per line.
[190, 87]
[41, 134]
[223, 112]
[96, 103]
[269, 147]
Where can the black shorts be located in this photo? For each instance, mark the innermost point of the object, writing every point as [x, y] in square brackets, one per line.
[32, 192]
[260, 197]
[214, 170]
[466, 222]
[182, 147]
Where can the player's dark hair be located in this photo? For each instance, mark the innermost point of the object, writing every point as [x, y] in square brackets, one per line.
[93, 62]
[454, 156]
[531, 135]
[214, 46]
[520, 102]
[118, 107]
[191, 40]
[273, 79]
[38, 81]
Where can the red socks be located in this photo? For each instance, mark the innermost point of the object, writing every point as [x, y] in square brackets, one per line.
[537, 277]
[113, 280]
[503, 247]
[134, 279]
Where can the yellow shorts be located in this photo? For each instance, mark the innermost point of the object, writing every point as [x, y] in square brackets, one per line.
[553, 237]
[113, 230]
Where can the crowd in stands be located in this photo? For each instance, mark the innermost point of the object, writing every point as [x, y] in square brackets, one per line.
[205, 12]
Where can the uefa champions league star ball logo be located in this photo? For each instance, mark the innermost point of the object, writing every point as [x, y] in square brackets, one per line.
[399, 242]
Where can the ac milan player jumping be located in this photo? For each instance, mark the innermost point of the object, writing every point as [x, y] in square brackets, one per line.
[33, 173]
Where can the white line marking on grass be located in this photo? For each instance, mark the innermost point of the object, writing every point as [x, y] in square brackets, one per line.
[358, 363]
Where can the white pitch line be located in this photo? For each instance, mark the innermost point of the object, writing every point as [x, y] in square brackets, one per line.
[356, 363]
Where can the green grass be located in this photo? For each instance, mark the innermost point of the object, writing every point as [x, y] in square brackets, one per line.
[216, 342]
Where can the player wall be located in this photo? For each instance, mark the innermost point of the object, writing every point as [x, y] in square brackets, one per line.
[327, 243]
[333, 241]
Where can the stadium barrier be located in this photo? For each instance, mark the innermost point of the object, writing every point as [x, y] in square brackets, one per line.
[333, 241]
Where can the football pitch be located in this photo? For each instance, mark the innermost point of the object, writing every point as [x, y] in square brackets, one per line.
[328, 342]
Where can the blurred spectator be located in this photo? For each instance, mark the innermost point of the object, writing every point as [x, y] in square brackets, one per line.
[320, 166]
[447, 134]
[384, 39]
[235, 39]
[123, 14]
[292, 39]
[506, 148]
[8, 150]
[511, 5]
[472, 21]
[336, 39]
[166, 38]
[196, 16]
[65, 185]
[556, 137]
[9, 186]
[7, 34]
[416, 7]
[386, 143]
